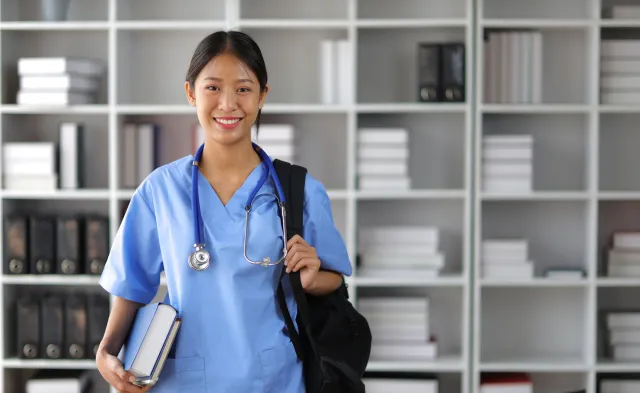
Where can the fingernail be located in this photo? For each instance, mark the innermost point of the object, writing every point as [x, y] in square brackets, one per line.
[132, 379]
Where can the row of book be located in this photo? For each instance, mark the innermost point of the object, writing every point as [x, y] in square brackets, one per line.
[140, 147]
[623, 335]
[47, 244]
[507, 165]
[399, 327]
[58, 81]
[60, 326]
[383, 158]
[396, 251]
[336, 83]
[513, 67]
[442, 72]
[619, 72]
[623, 257]
[45, 165]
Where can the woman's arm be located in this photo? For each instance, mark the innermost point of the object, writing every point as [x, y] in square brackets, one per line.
[325, 282]
[120, 320]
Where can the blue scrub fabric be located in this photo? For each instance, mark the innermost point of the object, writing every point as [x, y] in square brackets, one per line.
[232, 337]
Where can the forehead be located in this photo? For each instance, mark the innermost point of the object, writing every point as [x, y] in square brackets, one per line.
[226, 66]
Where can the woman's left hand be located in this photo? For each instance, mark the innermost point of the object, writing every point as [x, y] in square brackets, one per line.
[302, 257]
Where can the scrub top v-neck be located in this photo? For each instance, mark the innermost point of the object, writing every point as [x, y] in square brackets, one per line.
[233, 337]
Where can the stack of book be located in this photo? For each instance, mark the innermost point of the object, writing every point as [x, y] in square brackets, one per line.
[335, 72]
[624, 255]
[624, 335]
[277, 140]
[383, 159]
[399, 252]
[621, 11]
[620, 72]
[389, 382]
[513, 67]
[30, 166]
[140, 144]
[58, 80]
[619, 384]
[507, 165]
[506, 259]
[505, 383]
[399, 327]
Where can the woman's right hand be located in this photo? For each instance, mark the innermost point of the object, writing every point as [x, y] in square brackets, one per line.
[113, 372]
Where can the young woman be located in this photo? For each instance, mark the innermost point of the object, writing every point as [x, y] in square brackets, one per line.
[233, 336]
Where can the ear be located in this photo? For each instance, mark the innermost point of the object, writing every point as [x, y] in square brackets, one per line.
[263, 96]
[190, 94]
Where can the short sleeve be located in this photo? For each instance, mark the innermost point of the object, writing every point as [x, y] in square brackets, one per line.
[133, 268]
[320, 230]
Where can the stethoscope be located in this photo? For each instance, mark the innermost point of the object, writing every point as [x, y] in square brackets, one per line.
[200, 258]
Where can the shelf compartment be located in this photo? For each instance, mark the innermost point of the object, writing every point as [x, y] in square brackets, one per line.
[412, 9]
[294, 9]
[31, 10]
[444, 318]
[557, 381]
[446, 215]
[437, 147]
[614, 216]
[60, 43]
[618, 137]
[615, 300]
[375, 86]
[560, 145]
[94, 154]
[320, 144]
[295, 82]
[545, 329]
[547, 9]
[170, 10]
[554, 230]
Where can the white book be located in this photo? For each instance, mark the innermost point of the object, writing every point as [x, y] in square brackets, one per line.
[498, 170]
[26, 97]
[17, 150]
[623, 270]
[624, 336]
[129, 161]
[526, 60]
[383, 167]
[411, 351]
[383, 135]
[399, 234]
[392, 318]
[376, 260]
[621, 256]
[60, 65]
[279, 149]
[620, 82]
[516, 67]
[487, 71]
[516, 387]
[401, 250]
[626, 240]
[414, 273]
[626, 352]
[327, 72]
[392, 183]
[620, 385]
[344, 73]
[620, 66]
[35, 166]
[630, 97]
[625, 11]
[623, 320]
[70, 147]
[508, 271]
[496, 67]
[390, 385]
[274, 133]
[620, 48]
[385, 304]
[505, 67]
[507, 153]
[507, 186]
[57, 82]
[397, 333]
[147, 150]
[537, 71]
[513, 140]
[375, 152]
[31, 182]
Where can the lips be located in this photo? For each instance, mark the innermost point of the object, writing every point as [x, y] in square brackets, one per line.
[227, 122]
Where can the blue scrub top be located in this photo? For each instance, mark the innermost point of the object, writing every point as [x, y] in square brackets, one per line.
[232, 337]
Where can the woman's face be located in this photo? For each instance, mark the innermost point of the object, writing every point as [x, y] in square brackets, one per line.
[227, 98]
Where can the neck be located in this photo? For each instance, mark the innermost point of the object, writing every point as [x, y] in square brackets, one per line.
[231, 160]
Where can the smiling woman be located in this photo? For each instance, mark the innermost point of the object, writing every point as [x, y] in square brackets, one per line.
[232, 337]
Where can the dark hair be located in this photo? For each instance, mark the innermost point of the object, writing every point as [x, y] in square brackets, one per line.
[239, 44]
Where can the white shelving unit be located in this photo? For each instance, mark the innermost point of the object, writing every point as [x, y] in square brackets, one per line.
[583, 189]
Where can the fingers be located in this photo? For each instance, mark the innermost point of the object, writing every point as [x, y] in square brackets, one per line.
[123, 379]
[295, 239]
[298, 258]
[305, 262]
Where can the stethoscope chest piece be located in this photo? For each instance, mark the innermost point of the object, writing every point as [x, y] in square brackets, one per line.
[200, 258]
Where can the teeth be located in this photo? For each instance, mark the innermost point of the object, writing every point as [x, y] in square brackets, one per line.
[225, 121]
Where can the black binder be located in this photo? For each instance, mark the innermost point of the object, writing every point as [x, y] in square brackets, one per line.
[75, 327]
[69, 245]
[52, 312]
[429, 79]
[453, 72]
[28, 327]
[16, 241]
[41, 245]
[97, 318]
[97, 244]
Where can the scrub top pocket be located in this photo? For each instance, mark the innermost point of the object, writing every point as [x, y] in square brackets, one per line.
[185, 374]
[279, 369]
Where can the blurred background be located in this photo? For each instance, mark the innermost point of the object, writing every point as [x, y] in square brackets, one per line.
[480, 156]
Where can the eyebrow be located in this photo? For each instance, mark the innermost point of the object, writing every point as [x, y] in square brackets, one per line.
[218, 79]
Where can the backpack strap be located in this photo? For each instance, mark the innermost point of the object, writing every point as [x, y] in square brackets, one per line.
[292, 179]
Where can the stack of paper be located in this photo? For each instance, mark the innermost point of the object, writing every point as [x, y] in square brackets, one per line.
[624, 335]
[335, 72]
[383, 159]
[619, 384]
[60, 380]
[506, 383]
[399, 252]
[507, 165]
[277, 140]
[399, 327]
[620, 72]
[30, 165]
[506, 259]
[58, 80]
[624, 256]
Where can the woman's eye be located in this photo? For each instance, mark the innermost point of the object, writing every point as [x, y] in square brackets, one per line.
[214, 88]
[244, 90]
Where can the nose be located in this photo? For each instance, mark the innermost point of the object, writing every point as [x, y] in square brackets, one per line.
[228, 101]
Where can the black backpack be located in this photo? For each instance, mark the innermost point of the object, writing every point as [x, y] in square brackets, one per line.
[333, 340]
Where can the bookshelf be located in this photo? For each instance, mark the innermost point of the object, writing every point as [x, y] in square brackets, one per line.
[582, 151]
